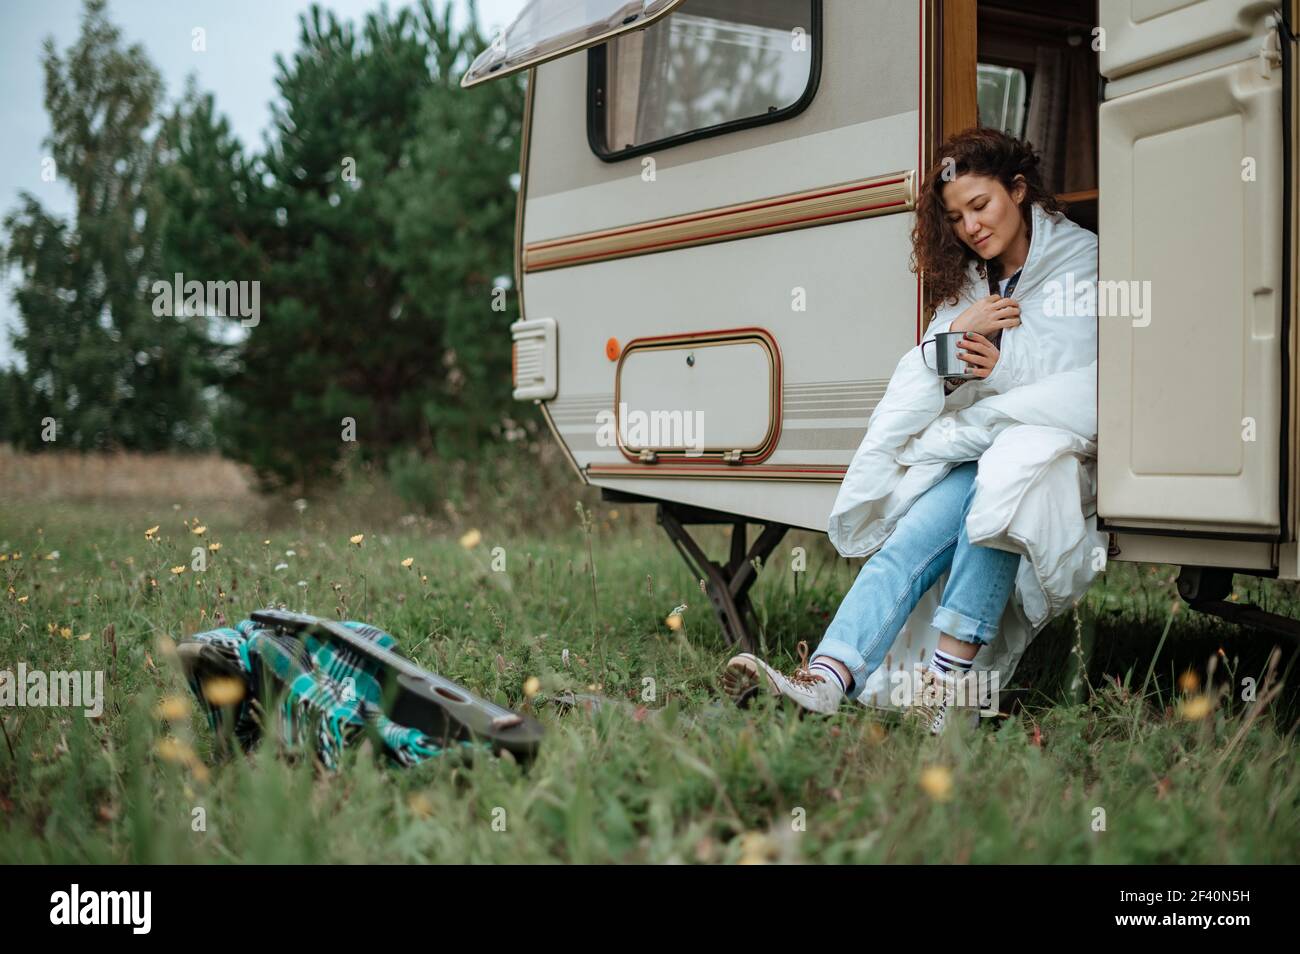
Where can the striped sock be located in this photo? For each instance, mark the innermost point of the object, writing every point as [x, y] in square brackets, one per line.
[831, 674]
[945, 663]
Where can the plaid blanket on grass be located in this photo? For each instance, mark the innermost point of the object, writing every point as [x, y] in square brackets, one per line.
[328, 696]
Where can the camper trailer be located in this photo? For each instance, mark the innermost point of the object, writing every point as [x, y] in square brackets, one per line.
[713, 241]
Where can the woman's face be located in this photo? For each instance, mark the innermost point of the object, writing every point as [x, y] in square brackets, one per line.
[983, 214]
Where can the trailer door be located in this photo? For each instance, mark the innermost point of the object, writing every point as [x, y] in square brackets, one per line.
[1192, 300]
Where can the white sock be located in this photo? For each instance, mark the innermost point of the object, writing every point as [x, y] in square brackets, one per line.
[946, 663]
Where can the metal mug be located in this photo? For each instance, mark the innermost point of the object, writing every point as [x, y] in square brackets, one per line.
[950, 365]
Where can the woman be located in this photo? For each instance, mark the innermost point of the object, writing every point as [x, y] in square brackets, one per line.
[974, 233]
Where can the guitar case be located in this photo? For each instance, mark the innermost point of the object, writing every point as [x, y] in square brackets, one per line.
[338, 681]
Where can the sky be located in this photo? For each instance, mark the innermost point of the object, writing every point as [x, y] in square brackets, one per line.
[238, 68]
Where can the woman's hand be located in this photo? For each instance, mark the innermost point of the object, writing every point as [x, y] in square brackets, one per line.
[978, 352]
[989, 314]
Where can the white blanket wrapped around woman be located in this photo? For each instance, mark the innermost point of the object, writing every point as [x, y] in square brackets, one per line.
[1031, 424]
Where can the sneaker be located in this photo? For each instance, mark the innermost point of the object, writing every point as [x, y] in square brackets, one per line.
[936, 702]
[746, 675]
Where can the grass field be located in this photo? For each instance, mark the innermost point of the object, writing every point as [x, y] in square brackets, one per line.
[1158, 759]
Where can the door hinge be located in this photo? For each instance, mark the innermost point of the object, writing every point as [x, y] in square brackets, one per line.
[732, 456]
[647, 456]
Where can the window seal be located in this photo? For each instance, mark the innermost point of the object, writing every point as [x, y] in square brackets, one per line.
[596, 68]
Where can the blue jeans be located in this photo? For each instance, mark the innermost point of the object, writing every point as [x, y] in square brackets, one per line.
[927, 540]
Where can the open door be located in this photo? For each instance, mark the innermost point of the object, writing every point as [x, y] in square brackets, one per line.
[1193, 297]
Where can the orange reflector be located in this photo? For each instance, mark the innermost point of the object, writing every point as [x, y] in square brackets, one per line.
[612, 349]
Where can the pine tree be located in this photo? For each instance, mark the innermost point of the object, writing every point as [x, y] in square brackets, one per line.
[376, 222]
[456, 237]
[96, 359]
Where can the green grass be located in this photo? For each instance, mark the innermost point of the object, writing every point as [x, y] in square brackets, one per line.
[682, 777]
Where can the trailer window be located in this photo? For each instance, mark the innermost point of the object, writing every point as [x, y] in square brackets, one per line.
[709, 68]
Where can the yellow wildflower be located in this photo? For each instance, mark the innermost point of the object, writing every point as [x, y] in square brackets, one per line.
[173, 708]
[174, 750]
[420, 805]
[1197, 707]
[223, 690]
[756, 848]
[936, 781]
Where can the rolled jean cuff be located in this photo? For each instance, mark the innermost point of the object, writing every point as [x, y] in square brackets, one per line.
[966, 628]
[851, 658]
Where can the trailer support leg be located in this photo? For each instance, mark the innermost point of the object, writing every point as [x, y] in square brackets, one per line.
[727, 585]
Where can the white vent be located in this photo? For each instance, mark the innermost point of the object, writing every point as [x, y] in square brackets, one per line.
[534, 359]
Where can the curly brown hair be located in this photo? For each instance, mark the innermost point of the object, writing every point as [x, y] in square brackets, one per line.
[937, 253]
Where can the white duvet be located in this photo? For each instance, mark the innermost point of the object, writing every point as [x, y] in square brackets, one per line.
[1032, 424]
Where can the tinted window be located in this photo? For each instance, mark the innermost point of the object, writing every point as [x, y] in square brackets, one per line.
[712, 66]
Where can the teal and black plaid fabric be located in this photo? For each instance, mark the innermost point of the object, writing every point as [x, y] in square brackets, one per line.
[329, 695]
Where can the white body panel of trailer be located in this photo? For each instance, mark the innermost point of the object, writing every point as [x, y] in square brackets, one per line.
[784, 323]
